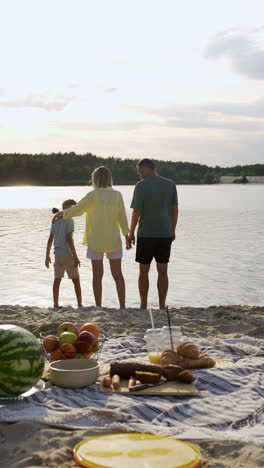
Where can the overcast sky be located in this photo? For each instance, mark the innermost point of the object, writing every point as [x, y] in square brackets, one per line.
[168, 79]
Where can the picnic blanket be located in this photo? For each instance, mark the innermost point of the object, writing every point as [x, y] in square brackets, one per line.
[230, 402]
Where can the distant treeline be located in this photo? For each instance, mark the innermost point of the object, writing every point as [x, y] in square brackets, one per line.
[76, 169]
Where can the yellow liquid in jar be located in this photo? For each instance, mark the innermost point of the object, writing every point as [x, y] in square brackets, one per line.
[154, 358]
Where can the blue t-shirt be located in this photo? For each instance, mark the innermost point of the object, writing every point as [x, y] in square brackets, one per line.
[60, 229]
[154, 196]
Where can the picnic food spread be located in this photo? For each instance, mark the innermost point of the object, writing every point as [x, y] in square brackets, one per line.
[134, 449]
[22, 360]
[174, 366]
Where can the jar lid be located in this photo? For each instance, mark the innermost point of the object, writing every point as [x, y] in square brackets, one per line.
[140, 450]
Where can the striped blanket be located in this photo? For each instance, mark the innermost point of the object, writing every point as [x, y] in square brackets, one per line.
[230, 402]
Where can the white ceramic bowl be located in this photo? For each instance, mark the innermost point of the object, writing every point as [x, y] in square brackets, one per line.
[74, 373]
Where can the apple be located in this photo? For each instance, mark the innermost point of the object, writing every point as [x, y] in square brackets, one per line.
[87, 342]
[67, 327]
[67, 337]
[79, 356]
[50, 343]
[69, 350]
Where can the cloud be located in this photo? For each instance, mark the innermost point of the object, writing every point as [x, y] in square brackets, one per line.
[44, 101]
[238, 117]
[241, 49]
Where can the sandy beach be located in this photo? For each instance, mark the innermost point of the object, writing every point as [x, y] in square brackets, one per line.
[31, 445]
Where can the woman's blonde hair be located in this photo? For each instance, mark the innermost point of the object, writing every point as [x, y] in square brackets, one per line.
[102, 177]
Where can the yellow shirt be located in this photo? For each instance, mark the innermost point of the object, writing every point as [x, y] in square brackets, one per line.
[105, 215]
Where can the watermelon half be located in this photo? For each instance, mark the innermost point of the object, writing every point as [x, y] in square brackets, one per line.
[21, 360]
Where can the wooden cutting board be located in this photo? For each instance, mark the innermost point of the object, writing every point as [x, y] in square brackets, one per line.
[169, 388]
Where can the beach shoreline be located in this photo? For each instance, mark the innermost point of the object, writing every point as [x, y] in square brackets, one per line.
[215, 322]
[30, 444]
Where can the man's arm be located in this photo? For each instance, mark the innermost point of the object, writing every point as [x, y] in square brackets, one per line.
[72, 247]
[134, 221]
[49, 244]
[175, 212]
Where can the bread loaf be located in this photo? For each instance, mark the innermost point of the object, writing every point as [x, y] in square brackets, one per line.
[169, 357]
[188, 349]
[203, 362]
[185, 376]
[171, 372]
[126, 369]
[147, 377]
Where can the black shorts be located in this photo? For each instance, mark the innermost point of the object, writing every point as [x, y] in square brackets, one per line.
[157, 247]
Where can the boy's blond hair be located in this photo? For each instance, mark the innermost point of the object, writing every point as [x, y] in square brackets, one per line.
[102, 177]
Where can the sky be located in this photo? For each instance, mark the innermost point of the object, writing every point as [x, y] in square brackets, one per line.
[164, 79]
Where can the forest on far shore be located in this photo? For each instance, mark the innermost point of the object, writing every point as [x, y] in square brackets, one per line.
[76, 169]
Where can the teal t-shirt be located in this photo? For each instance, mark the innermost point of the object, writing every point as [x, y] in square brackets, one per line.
[154, 197]
[60, 230]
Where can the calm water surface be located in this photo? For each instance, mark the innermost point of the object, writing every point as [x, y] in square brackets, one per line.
[217, 258]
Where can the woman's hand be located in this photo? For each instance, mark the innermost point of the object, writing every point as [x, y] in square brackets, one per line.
[128, 243]
[57, 215]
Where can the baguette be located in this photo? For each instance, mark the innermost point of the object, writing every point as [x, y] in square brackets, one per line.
[188, 349]
[203, 362]
[127, 369]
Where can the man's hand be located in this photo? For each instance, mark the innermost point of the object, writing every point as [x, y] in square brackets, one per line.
[131, 238]
[174, 236]
[57, 215]
[77, 262]
[47, 261]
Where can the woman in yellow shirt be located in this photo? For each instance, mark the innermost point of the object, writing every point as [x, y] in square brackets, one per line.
[105, 215]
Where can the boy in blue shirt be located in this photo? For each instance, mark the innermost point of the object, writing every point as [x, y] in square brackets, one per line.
[65, 254]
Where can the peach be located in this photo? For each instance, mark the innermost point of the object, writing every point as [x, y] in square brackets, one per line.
[68, 350]
[90, 327]
[50, 343]
[56, 355]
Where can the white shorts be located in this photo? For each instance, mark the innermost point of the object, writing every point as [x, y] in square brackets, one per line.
[100, 255]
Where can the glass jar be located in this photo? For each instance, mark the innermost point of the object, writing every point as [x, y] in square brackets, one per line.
[155, 339]
[172, 340]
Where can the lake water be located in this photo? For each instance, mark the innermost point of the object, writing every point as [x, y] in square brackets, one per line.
[217, 258]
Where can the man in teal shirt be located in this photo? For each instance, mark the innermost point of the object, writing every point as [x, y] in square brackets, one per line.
[155, 208]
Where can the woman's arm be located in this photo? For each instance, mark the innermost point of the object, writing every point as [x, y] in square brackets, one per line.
[122, 218]
[77, 210]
